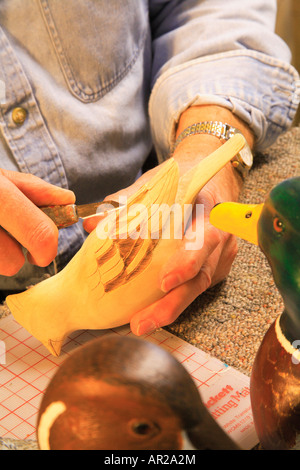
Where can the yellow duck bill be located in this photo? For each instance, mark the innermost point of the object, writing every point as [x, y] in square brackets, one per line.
[238, 219]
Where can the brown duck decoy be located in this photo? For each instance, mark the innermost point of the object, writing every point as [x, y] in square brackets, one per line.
[125, 393]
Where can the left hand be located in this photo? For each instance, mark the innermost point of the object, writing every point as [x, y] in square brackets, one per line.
[189, 272]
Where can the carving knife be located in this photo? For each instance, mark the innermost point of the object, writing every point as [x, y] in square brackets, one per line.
[69, 214]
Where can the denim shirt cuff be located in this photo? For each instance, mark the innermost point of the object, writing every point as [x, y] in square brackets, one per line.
[261, 90]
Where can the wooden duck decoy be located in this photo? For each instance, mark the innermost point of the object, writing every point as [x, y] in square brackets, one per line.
[121, 393]
[275, 379]
[116, 273]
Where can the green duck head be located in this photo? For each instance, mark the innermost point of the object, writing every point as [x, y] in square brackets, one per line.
[275, 227]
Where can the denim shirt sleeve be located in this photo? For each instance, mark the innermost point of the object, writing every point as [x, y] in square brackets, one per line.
[222, 55]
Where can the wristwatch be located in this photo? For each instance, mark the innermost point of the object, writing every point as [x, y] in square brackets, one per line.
[242, 162]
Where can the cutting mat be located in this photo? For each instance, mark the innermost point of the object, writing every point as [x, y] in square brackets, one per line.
[26, 368]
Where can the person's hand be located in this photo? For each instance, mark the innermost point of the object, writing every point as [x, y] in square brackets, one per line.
[23, 224]
[190, 272]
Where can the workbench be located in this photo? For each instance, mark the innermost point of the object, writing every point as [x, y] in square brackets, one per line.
[229, 320]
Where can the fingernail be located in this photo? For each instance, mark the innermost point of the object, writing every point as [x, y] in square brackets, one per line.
[146, 326]
[170, 282]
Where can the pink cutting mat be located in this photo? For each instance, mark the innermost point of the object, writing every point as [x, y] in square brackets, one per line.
[26, 368]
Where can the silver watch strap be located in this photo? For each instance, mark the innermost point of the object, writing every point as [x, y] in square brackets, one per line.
[242, 162]
[216, 128]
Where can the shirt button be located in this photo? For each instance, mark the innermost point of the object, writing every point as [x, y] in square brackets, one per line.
[19, 115]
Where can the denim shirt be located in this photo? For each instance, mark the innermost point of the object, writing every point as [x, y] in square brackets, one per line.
[103, 81]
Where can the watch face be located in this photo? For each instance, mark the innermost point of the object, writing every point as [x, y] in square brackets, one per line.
[246, 155]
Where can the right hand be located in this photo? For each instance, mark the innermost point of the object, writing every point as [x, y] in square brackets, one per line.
[23, 224]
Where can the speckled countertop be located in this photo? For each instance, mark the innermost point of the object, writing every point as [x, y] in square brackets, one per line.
[230, 320]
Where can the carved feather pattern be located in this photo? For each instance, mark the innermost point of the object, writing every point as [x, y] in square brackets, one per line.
[136, 230]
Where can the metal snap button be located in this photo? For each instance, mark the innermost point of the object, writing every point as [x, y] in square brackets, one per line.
[19, 115]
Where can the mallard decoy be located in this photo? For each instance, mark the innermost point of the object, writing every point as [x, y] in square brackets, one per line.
[121, 393]
[116, 272]
[275, 380]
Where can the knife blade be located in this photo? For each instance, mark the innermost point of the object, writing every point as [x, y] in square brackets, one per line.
[65, 215]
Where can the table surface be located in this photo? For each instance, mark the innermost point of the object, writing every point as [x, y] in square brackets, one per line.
[229, 320]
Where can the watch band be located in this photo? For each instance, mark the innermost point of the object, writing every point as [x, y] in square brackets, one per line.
[242, 162]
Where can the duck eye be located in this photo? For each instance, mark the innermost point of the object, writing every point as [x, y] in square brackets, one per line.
[278, 225]
[143, 428]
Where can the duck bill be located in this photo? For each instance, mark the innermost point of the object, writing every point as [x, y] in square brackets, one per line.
[238, 219]
[208, 435]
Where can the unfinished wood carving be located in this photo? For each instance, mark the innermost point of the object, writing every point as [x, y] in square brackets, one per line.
[116, 272]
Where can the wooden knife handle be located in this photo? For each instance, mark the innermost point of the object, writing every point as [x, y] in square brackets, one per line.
[62, 216]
